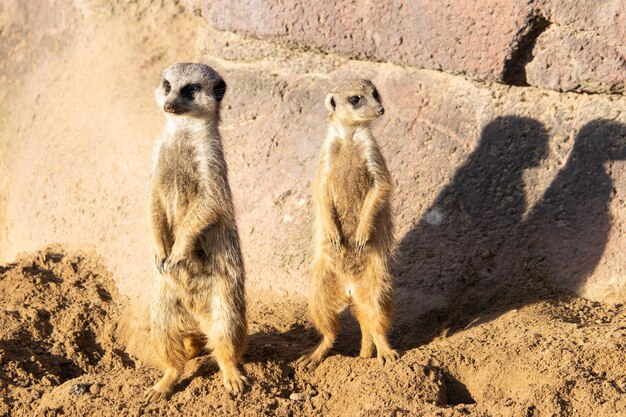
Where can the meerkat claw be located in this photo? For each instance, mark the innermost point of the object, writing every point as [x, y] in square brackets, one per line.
[235, 384]
[388, 357]
[154, 396]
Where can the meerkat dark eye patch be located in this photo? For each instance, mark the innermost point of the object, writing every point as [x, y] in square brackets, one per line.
[219, 90]
[354, 100]
[332, 103]
[188, 92]
[167, 87]
[376, 95]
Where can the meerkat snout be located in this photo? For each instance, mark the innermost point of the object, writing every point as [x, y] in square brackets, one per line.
[380, 110]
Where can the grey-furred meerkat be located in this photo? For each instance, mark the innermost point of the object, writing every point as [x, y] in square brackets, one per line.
[200, 300]
[353, 233]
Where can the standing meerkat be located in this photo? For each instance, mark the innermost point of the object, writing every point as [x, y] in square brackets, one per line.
[200, 300]
[353, 232]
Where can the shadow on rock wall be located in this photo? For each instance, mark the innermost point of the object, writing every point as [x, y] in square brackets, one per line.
[473, 256]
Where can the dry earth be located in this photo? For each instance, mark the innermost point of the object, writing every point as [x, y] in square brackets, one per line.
[62, 353]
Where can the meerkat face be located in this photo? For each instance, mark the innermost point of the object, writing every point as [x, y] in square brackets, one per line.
[191, 90]
[355, 102]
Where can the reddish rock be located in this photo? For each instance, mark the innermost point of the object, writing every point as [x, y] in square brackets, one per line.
[584, 48]
[571, 45]
[453, 36]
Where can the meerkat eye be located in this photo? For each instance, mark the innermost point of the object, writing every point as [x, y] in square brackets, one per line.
[189, 91]
[354, 100]
[167, 86]
[375, 95]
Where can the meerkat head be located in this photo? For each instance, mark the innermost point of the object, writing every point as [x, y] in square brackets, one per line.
[354, 102]
[191, 90]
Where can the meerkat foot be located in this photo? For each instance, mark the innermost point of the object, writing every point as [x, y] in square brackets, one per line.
[171, 264]
[153, 395]
[387, 356]
[311, 358]
[162, 389]
[234, 381]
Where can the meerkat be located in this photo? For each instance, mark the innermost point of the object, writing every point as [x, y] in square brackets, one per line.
[353, 233]
[200, 300]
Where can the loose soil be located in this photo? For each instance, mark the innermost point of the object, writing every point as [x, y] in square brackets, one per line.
[62, 353]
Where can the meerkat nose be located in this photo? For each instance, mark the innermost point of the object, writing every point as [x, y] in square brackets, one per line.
[168, 108]
[380, 110]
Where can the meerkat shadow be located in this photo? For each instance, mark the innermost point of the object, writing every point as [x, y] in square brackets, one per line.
[566, 234]
[479, 250]
[443, 263]
[283, 347]
[286, 347]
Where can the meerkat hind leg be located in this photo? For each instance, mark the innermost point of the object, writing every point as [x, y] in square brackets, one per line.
[226, 340]
[168, 335]
[367, 341]
[374, 315]
[226, 357]
[324, 312]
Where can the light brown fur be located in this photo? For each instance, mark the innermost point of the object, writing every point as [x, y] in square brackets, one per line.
[353, 232]
[200, 300]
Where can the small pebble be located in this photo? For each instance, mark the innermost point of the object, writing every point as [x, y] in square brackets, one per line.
[300, 396]
[95, 389]
[79, 389]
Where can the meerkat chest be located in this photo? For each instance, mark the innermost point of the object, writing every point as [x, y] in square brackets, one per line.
[349, 176]
[179, 172]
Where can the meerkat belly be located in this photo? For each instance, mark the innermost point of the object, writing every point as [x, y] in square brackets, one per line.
[350, 182]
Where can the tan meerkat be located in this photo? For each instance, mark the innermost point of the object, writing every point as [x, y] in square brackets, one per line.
[353, 234]
[200, 299]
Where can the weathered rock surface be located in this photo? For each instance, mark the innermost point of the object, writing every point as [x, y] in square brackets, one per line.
[583, 50]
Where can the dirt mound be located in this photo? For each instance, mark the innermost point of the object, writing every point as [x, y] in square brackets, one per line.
[61, 355]
[58, 322]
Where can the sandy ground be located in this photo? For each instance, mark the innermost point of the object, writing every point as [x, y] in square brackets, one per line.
[62, 353]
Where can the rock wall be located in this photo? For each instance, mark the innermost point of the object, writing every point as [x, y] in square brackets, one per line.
[564, 45]
[505, 169]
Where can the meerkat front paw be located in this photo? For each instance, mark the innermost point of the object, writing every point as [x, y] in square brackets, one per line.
[159, 262]
[172, 263]
[335, 239]
[361, 240]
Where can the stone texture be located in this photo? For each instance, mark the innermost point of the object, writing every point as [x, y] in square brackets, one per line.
[584, 48]
[494, 40]
[455, 36]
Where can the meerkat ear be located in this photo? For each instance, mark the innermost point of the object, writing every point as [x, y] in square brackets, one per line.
[219, 90]
[330, 102]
